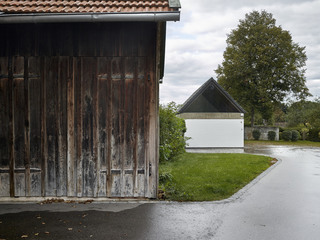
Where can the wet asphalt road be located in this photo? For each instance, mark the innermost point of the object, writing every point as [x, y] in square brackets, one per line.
[283, 203]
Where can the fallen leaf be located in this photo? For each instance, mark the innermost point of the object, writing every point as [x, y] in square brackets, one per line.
[36, 234]
[24, 236]
[43, 223]
[46, 232]
[69, 229]
[39, 217]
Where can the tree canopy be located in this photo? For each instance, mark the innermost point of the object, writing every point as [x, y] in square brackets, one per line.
[304, 112]
[262, 65]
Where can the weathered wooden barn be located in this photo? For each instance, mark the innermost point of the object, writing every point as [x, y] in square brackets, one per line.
[79, 96]
[214, 120]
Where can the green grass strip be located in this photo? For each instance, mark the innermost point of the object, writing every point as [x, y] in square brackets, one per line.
[208, 177]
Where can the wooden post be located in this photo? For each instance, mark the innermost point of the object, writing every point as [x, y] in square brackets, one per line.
[71, 158]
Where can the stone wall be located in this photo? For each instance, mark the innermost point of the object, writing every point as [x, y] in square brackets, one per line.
[263, 130]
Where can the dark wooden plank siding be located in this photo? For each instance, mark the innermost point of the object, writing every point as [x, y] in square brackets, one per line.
[51, 95]
[5, 106]
[129, 138]
[19, 126]
[64, 74]
[35, 88]
[116, 135]
[76, 102]
[141, 126]
[79, 39]
[88, 93]
[71, 133]
[78, 126]
[102, 125]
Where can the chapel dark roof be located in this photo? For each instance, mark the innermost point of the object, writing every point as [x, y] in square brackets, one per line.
[210, 97]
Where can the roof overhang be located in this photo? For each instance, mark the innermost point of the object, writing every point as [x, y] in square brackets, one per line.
[89, 17]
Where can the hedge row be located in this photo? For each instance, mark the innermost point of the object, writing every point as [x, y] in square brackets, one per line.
[302, 133]
[291, 135]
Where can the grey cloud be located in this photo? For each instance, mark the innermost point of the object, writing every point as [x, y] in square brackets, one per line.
[195, 45]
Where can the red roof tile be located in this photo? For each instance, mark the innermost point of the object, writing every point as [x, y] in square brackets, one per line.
[83, 6]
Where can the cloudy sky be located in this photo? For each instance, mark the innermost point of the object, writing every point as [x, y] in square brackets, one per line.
[195, 45]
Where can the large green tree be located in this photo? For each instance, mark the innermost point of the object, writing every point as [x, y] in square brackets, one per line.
[304, 112]
[262, 65]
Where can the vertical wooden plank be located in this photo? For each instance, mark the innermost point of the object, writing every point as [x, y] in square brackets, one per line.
[27, 128]
[88, 41]
[152, 115]
[128, 159]
[148, 131]
[65, 39]
[102, 125]
[147, 34]
[4, 128]
[35, 88]
[11, 126]
[141, 107]
[95, 130]
[106, 44]
[116, 138]
[26, 40]
[71, 155]
[19, 124]
[46, 45]
[89, 125]
[109, 128]
[13, 40]
[4, 40]
[157, 73]
[135, 116]
[51, 89]
[64, 75]
[44, 147]
[146, 119]
[78, 124]
[152, 135]
[129, 39]
[4, 183]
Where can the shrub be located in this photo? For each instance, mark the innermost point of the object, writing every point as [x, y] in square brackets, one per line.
[313, 135]
[287, 135]
[295, 135]
[165, 177]
[271, 135]
[256, 134]
[172, 129]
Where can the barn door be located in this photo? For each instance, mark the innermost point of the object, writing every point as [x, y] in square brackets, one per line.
[20, 127]
[77, 127]
[117, 95]
[5, 125]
